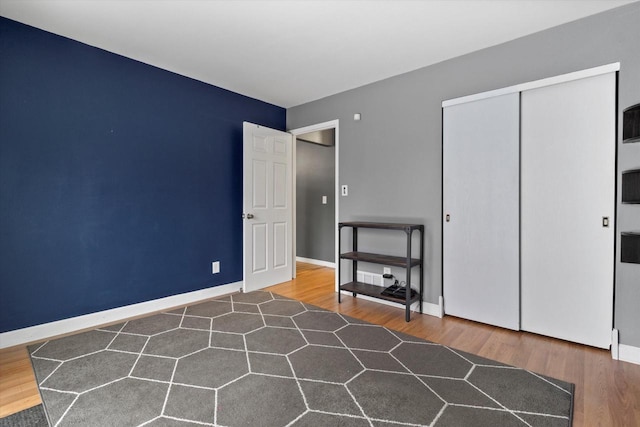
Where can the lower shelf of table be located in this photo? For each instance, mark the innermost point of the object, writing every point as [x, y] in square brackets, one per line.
[375, 292]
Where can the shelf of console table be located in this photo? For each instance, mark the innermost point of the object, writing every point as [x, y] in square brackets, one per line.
[407, 262]
[374, 291]
[394, 261]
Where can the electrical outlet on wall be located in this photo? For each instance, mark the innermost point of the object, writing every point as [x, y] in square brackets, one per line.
[215, 267]
[386, 270]
[370, 278]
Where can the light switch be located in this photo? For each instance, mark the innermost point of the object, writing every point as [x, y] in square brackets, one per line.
[324, 200]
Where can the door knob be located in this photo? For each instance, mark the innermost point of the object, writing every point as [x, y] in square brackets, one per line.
[249, 216]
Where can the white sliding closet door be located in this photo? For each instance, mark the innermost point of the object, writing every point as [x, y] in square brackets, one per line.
[568, 184]
[480, 217]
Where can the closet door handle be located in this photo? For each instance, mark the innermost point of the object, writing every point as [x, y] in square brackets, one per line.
[605, 221]
[448, 218]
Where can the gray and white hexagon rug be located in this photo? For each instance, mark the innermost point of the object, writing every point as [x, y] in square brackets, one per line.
[259, 359]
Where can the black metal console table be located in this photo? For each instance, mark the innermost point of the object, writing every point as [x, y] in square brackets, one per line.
[407, 262]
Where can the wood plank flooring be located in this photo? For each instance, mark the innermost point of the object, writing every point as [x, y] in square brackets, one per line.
[18, 389]
[607, 391]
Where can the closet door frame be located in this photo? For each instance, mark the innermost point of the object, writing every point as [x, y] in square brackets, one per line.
[596, 71]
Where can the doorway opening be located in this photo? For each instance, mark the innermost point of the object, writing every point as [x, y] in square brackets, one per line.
[315, 195]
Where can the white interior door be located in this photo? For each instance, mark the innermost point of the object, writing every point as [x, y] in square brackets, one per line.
[568, 184]
[266, 206]
[481, 210]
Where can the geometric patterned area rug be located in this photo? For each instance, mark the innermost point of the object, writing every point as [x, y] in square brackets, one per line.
[260, 359]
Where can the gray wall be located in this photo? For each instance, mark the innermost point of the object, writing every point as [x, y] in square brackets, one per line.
[391, 160]
[315, 222]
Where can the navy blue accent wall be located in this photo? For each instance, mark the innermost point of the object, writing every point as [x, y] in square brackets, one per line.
[119, 182]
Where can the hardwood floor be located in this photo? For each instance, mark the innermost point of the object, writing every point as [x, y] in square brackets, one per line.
[607, 391]
[18, 389]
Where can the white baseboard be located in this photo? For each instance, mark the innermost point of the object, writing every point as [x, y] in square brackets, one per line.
[628, 353]
[615, 344]
[433, 309]
[92, 320]
[316, 262]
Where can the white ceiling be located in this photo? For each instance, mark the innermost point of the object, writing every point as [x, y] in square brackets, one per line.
[288, 52]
